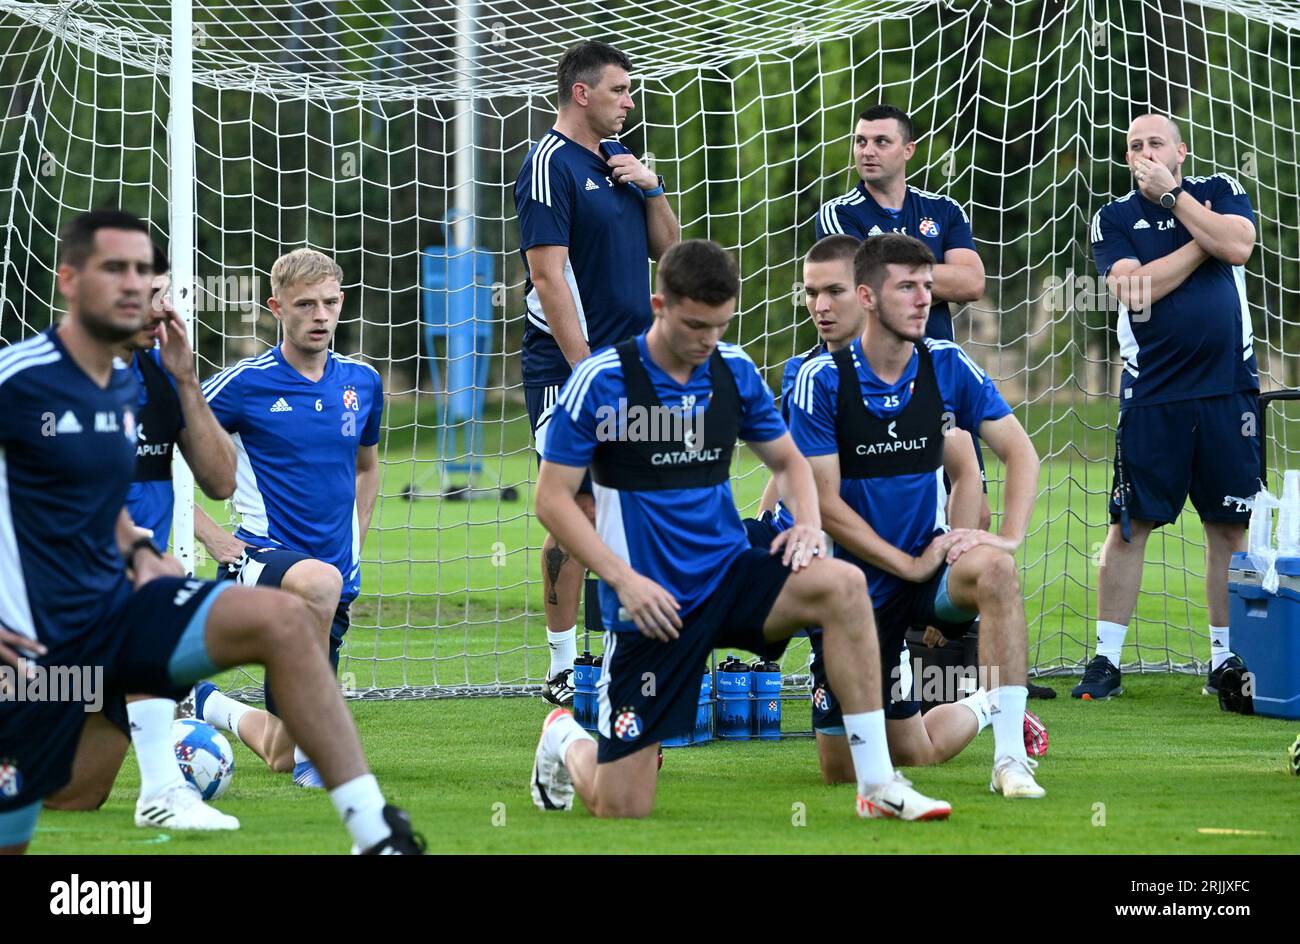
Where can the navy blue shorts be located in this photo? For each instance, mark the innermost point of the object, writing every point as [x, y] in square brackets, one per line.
[152, 644]
[912, 605]
[540, 403]
[266, 567]
[1207, 449]
[649, 690]
[761, 531]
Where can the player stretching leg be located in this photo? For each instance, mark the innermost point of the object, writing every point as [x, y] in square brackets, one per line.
[1173, 252]
[305, 421]
[170, 412]
[677, 577]
[872, 418]
[591, 217]
[69, 441]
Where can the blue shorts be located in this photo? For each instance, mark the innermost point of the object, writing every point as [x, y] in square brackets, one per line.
[761, 531]
[912, 605]
[1207, 448]
[152, 644]
[540, 403]
[266, 567]
[649, 690]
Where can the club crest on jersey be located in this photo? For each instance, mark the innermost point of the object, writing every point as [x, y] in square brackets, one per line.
[350, 401]
[821, 699]
[11, 779]
[627, 726]
[128, 425]
[928, 227]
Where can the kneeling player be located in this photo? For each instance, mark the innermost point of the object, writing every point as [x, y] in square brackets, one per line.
[170, 412]
[307, 423]
[677, 577]
[872, 419]
[69, 440]
[837, 315]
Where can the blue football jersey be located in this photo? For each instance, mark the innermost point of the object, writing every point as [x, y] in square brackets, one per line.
[904, 510]
[296, 444]
[1197, 340]
[936, 220]
[683, 539]
[782, 518]
[151, 503]
[67, 461]
[564, 196]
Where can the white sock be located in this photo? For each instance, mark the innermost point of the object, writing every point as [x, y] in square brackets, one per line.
[299, 757]
[151, 733]
[1220, 652]
[870, 750]
[564, 733]
[361, 807]
[564, 648]
[1008, 711]
[978, 703]
[1110, 640]
[224, 712]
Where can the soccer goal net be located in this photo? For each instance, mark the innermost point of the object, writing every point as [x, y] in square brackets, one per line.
[388, 134]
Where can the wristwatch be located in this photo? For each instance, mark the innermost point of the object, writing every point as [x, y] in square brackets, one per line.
[1167, 200]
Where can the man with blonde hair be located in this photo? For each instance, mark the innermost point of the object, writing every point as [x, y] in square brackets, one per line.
[305, 422]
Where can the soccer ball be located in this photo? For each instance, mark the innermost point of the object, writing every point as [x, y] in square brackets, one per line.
[204, 756]
[1294, 757]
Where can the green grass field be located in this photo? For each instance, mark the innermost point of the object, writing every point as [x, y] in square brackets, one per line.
[1162, 762]
[451, 598]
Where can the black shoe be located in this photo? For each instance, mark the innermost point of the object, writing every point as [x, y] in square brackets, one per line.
[1212, 680]
[1100, 681]
[1040, 691]
[558, 689]
[401, 841]
[1233, 691]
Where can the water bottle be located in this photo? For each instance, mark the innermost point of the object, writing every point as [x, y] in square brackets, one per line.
[704, 711]
[767, 700]
[734, 708]
[1288, 516]
[597, 666]
[584, 691]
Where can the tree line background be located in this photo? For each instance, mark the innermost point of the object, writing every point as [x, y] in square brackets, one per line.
[336, 131]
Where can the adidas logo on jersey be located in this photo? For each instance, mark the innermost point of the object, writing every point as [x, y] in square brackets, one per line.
[874, 231]
[1141, 224]
[281, 406]
[67, 424]
[591, 185]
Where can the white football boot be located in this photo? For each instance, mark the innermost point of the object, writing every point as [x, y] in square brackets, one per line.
[897, 800]
[551, 785]
[1013, 777]
[181, 807]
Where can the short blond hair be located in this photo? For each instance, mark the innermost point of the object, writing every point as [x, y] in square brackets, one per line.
[303, 266]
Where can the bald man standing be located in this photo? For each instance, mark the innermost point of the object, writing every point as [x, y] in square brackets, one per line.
[1173, 253]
